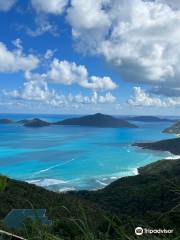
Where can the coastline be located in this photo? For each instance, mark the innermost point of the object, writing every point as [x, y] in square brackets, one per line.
[42, 178]
[59, 185]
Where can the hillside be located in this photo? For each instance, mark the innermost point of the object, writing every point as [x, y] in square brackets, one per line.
[98, 120]
[174, 129]
[170, 145]
[147, 199]
[36, 122]
[61, 208]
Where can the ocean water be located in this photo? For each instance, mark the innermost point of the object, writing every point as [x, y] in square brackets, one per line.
[64, 158]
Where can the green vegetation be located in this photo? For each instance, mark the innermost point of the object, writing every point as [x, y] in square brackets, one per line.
[3, 183]
[171, 145]
[151, 200]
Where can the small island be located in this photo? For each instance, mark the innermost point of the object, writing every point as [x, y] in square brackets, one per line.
[36, 122]
[98, 120]
[6, 121]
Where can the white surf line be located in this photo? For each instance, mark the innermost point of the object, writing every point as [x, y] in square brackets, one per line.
[101, 183]
[135, 171]
[52, 167]
[173, 157]
[47, 182]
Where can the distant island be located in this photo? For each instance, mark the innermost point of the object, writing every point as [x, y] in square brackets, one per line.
[149, 119]
[94, 120]
[170, 145]
[36, 122]
[6, 121]
[98, 120]
[174, 129]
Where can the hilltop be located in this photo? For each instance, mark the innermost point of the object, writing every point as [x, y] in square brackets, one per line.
[98, 120]
[36, 122]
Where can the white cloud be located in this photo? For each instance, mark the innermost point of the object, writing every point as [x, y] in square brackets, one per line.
[141, 38]
[36, 88]
[42, 25]
[6, 5]
[68, 73]
[32, 90]
[89, 21]
[141, 98]
[16, 60]
[17, 43]
[49, 54]
[39, 91]
[95, 98]
[52, 6]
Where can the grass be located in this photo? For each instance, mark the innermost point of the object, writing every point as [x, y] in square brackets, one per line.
[114, 231]
[3, 183]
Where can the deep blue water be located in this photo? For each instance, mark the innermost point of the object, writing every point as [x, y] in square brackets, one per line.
[67, 157]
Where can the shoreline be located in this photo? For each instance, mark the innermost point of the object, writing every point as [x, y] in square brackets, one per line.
[53, 184]
[47, 183]
[59, 185]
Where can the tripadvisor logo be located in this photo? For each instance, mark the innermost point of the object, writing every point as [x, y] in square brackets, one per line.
[140, 231]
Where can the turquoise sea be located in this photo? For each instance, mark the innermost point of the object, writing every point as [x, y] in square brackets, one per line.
[74, 158]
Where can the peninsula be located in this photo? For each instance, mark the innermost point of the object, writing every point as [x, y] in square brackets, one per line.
[170, 145]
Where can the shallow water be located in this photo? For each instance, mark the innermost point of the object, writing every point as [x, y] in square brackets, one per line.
[66, 157]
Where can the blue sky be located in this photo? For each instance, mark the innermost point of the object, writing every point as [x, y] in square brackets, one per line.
[111, 56]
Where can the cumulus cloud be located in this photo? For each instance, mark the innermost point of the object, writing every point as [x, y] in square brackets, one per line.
[89, 21]
[140, 98]
[69, 73]
[33, 90]
[140, 38]
[53, 6]
[39, 91]
[36, 89]
[95, 98]
[6, 5]
[16, 60]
